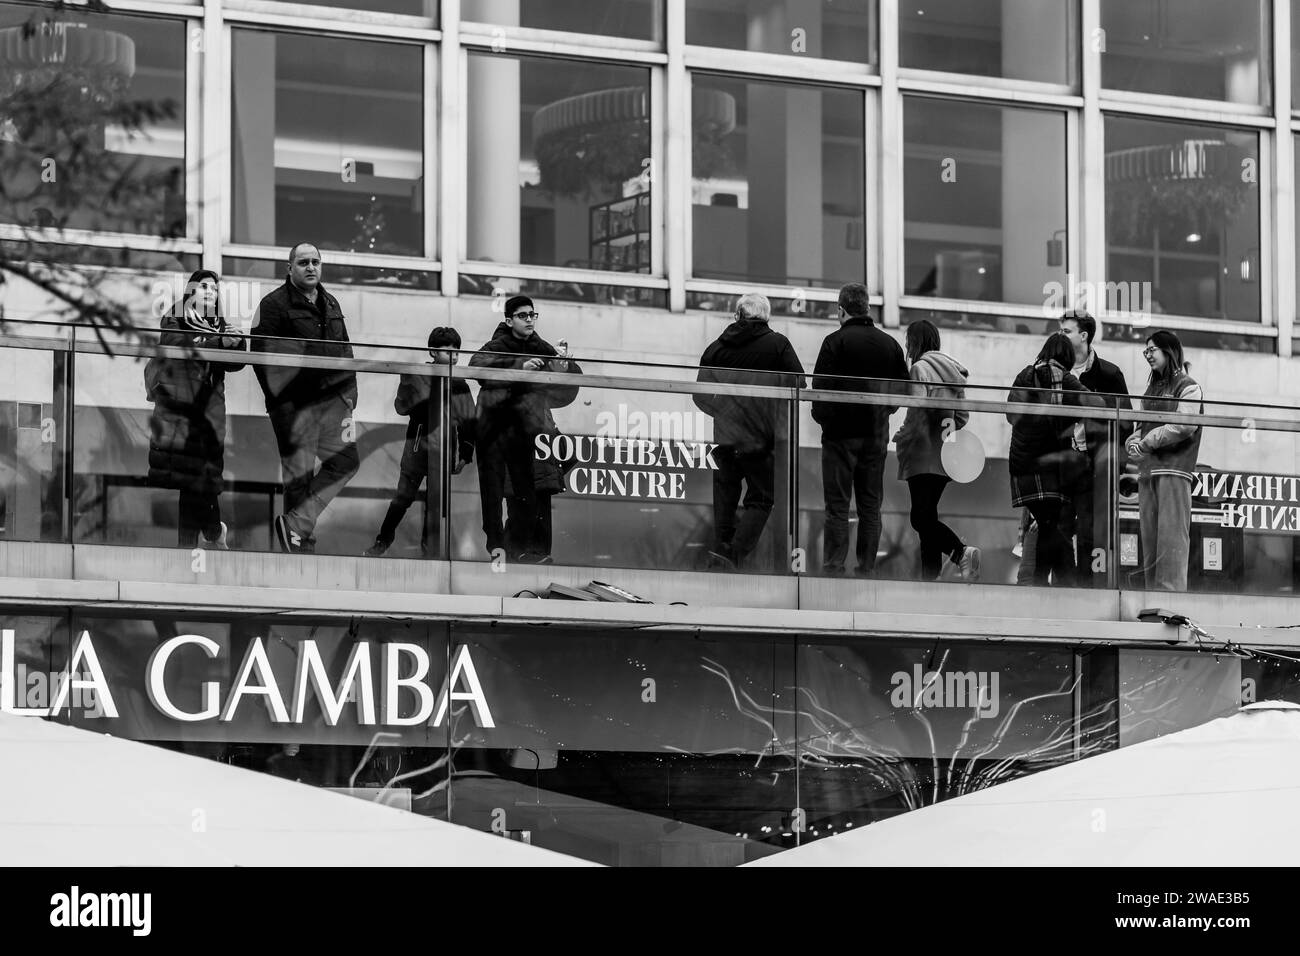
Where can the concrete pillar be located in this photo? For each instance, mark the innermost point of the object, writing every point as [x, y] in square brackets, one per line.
[253, 109]
[492, 131]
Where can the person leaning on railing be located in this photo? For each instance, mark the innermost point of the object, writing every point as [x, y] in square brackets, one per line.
[1166, 458]
[1048, 458]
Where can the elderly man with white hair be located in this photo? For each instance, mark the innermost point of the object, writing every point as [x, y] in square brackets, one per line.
[746, 429]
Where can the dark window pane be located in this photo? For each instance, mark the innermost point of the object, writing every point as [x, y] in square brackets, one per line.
[1209, 49]
[841, 30]
[1017, 39]
[410, 8]
[777, 182]
[983, 199]
[631, 19]
[559, 163]
[1182, 216]
[336, 154]
[92, 121]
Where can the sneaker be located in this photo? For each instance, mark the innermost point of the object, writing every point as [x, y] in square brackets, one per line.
[970, 564]
[718, 561]
[291, 541]
[220, 542]
[1019, 550]
[378, 548]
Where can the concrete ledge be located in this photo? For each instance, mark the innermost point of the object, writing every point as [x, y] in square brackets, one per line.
[35, 559]
[910, 597]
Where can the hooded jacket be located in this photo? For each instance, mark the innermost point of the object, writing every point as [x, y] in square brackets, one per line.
[920, 440]
[522, 406]
[850, 356]
[748, 353]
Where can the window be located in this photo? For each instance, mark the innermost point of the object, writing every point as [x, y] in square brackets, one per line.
[1017, 39]
[1209, 49]
[983, 200]
[840, 30]
[629, 19]
[410, 8]
[777, 182]
[1182, 216]
[92, 121]
[559, 163]
[335, 154]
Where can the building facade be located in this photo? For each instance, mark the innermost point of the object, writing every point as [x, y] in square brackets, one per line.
[634, 166]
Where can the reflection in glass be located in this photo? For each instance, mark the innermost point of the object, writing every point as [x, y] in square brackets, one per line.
[559, 163]
[1182, 217]
[831, 29]
[328, 143]
[1016, 39]
[631, 19]
[984, 200]
[777, 183]
[1210, 49]
[93, 129]
[31, 452]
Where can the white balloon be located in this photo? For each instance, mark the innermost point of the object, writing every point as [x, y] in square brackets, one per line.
[962, 457]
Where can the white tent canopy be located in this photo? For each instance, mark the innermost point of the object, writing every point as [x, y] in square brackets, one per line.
[1191, 798]
[72, 797]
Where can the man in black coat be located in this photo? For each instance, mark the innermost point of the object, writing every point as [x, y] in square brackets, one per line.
[855, 437]
[746, 429]
[310, 408]
[1089, 496]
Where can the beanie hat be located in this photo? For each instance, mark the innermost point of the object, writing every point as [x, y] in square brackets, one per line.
[515, 301]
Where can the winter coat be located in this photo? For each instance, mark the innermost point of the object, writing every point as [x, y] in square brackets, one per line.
[920, 440]
[1107, 380]
[1171, 448]
[1037, 437]
[187, 429]
[524, 407]
[419, 397]
[288, 323]
[850, 356]
[746, 353]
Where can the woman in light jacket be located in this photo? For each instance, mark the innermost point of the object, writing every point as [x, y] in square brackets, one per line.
[919, 443]
[1166, 458]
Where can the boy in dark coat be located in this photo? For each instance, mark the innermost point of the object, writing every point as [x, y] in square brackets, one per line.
[419, 397]
[187, 430]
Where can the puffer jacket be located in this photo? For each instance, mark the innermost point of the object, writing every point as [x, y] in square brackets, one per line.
[1171, 448]
[747, 353]
[506, 406]
[187, 429]
[920, 440]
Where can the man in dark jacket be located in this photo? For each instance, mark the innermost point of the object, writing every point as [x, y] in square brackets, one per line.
[419, 397]
[310, 407]
[746, 430]
[1091, 515]
[855, 437]
[510, 417]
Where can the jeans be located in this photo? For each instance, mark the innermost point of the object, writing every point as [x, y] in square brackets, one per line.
[937, 539]
[304, 434]
[1052, 554]
[735, 537]
[1165, 510]
[852, 468]
[197, 513]
[507, 452]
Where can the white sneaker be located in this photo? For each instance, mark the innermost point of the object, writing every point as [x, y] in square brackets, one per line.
[970, 564]
[220, 543]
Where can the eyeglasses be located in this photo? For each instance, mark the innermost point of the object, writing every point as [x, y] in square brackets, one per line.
[527, 315]
[1150, 350]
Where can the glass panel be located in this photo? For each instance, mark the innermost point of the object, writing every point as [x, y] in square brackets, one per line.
[777, 183]
[1182, 219]
[633, 19]
[94, 128]
[336, 155]
[891, 726]
[833, 29]
[984, 200]
[640, 751]
[953, 495]
[178, 452]
[410, 8]
[32, 441]
[569, 185]
[1209, 49]
[1017, 39]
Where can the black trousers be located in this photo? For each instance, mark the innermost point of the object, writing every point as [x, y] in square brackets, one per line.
[937, 539]
[198, 513]
[1053, 555]
[853, 470]
[737, 524]
[501, 454]
[413, 470]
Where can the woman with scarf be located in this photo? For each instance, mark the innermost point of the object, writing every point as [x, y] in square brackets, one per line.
[1165, 454]
[1048, 454]
[187, 431]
